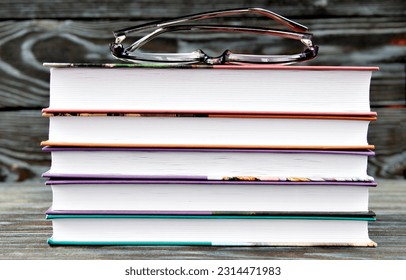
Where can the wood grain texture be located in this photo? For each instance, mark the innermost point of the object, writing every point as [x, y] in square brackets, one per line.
[388, 134]
[365, 33]
[21, 157]
[24, 233]
[160, 8]
[24, 82]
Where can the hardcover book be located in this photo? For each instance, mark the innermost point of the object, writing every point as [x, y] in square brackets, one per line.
[255, 89]
[211, 230]
[208, 164]
[208, 131]
[202, 197]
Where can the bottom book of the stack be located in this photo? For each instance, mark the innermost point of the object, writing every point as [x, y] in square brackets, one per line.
[210, 229]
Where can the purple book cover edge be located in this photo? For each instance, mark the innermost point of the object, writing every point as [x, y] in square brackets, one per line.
[114, 177]
[212, 182]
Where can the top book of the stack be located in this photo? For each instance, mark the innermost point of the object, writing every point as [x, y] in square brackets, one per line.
[209, 89]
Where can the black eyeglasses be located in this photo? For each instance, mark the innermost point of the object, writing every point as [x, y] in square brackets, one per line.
[133, 55]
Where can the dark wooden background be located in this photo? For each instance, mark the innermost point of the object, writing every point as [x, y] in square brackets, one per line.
[367, 33]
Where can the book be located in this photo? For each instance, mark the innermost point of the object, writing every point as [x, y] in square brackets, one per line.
[212, 131]
[203, 197]
[208, 164]
[256, 89]
[211, 230]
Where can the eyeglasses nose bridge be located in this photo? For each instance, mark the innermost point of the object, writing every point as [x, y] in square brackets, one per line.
[215, 60]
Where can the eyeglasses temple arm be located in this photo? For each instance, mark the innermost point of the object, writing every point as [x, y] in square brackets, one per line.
[225, 28]
[120, 34]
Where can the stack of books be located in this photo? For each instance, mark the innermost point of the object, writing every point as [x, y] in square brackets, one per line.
[203, 155]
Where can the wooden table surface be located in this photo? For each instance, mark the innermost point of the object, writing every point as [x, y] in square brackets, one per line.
[24, 231]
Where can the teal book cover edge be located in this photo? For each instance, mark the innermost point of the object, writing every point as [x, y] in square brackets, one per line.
[129, 243]
[52, 242]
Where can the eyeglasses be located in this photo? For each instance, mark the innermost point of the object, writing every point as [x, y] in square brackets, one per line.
[133, 55]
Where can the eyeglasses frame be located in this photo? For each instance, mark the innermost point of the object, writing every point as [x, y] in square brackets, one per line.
[130, 54]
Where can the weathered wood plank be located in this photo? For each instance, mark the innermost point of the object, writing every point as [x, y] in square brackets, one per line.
[24, 232]
[25, 45]
[388, 134]
[21, 157]
[159, 8]
[344, 39]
